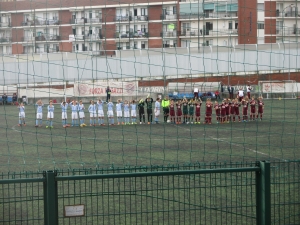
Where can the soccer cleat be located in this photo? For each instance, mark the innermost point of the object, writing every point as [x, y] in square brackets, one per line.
[46, 126]
[140, 122]
[84, 125]
[187, 122]
[51, 127]
[81, 125]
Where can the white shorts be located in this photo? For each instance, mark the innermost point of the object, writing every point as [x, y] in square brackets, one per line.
[74, 116]
[81, 115]
[100, 113]
[157, 113]
[50, 115]
[119, 113]
[133, 113]
[39, 116]
[64, 116]
[22, 114]
[93, 114]
[126, 114]
[110, 113]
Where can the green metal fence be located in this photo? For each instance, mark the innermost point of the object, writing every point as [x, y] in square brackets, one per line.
[224, 193]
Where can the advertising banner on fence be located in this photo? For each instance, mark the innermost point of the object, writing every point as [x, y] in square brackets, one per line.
[278, 87]
[82, 89]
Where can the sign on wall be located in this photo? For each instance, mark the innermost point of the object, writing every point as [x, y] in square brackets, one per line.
[99, 88]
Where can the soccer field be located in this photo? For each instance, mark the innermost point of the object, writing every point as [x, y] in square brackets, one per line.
[276, 137]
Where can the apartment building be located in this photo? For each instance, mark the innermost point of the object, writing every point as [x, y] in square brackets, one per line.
[95, 26]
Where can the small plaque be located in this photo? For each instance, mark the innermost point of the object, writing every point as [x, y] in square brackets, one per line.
[74, 210]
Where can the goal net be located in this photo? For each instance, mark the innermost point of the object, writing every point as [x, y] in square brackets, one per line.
[283, 89]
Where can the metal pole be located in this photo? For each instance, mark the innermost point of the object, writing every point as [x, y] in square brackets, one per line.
[50, 198]
[263, 194]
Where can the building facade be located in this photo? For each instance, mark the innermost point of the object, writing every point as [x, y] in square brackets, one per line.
[28, 27]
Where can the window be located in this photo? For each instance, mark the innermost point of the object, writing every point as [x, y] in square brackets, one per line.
[166, 44]
[260, 26]
[143, 12]
[77, 47]
[174, 43]
[143, 28]
[74, 31]
[83, 47]
[55, 16]
[90, 46]
[260, 7]
[134, 12]
[186, 27]
[230, 25]
[135, 45]
[174, 10]
[143, 45]
[90, 14]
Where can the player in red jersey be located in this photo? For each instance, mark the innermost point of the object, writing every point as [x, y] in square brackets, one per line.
[227, 109]
[223, 111]
[260, 111]
[236, 105]
[208, 111]
[252, 109]
[231, 109]
[217, 108]
[245, 109]
[197, 111]
[172, 111]
[178, 112]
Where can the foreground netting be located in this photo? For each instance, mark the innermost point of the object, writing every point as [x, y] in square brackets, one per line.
[64, 51]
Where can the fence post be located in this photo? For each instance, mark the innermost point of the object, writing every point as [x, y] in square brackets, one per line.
[263, 194]
[50, 198]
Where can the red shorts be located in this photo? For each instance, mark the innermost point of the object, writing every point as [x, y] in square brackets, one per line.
[237, 112]
[197, 114]
[208, 114]
[245, 112]
[260, 111]
[172, 113]
[232, 111]
[227, 112]
[253, 110]
[179, 113]
[240, 98]
[248, 93]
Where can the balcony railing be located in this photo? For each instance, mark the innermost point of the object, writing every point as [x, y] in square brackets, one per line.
[168, 17]
[123, 18]
[208, 15]
[288, 31]
[28, 38]
[5, 24]
[5, 39]
[214, 33]
[40, 22]
[135, 34]
[169, 34]
[140, 18]
[48, 37]
[288, 14]
[81, 37]
[85, 20]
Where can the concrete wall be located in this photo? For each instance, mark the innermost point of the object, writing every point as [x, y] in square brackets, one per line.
[145, 64]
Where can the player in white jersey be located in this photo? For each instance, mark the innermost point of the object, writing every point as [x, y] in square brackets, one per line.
[126, 112]
[119, 106]
[50, 114]
[21, 108]
[64, 115]
[110, 113]
[240, 94]
[81, 114]
[74, 114]
[93, 113]
[39, 113]
[157, 110]
[133, 112]
[100, 113]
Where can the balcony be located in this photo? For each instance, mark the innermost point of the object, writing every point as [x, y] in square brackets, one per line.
[213, 33]
[291, 31]
[227, 15]
[48, 37]
[135, 34]
[85, 20]
[140, 18]
[292, 14]
[40, 22]
[5, 39]
[81, 37]
[5, 24]
[28, 39]
[123, 18]
[169, 34]
[168, 17]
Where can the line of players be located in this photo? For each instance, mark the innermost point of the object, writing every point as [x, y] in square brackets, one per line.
[226, 111]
